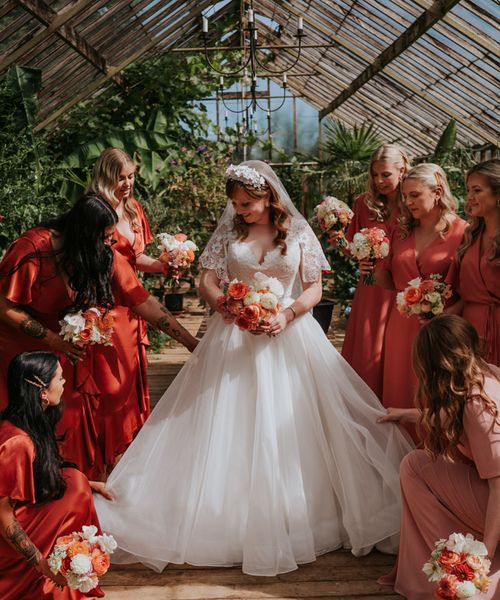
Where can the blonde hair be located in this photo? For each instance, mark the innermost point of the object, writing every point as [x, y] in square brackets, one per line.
[105, 178]
[432, 176]
[490, 170]
[448, 362]
[375, 201]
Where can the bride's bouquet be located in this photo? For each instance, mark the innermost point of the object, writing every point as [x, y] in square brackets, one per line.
[333, 217]
[369, 243]
[459, 565]
[423, 297]
[82, 557]
[251, 305]
[91, 326]
[178, 253]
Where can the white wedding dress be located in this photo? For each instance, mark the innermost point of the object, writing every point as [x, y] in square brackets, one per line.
[264, 451]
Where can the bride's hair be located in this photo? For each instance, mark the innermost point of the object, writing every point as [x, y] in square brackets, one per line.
[448, 362]
[278, 214]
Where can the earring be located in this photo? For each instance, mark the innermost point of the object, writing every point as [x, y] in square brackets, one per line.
[45, 402]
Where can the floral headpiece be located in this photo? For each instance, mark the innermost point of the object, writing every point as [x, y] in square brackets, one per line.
[246, 175]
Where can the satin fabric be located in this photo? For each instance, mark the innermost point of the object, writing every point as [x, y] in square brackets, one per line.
[43, 523]
[122, 368]
[399, 378]
[39, 288]
[440, 498]
[363, 346]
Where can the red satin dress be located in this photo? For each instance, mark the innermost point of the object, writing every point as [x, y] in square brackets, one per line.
[364, 338]
[400, 383]
[122, 369]
[43, 293]
[43, 523]
[477, 280]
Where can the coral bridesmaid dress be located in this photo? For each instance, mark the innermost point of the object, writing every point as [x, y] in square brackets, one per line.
[39, 288]
[122, 368]
[43, 523]
[364, 338]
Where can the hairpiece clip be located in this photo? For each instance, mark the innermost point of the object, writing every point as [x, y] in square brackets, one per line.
[246, 175]
[38, 383]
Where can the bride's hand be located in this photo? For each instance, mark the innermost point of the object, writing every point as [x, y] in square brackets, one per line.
[277, 324]
[99, 487]
[400, 415]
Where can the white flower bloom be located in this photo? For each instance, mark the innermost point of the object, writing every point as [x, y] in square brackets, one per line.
[415, 282]
[433, 297]
[246, 175]
[81, 564]
[269, 301]
[55, 562]
[189, 245]
[466, 589]
[85, 584]
[251, 298]
[89, 532]
[73, 580]
[433, 571]
[107, 543]
[384, 249]
[75, 320]
[473, 546]
[438, 308]
[456, 542]
[271, 283]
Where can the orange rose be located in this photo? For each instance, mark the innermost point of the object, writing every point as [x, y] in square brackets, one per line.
[251, 313]
[190, 255]
[234, 307]
[450, 559]
[85, 334]
[180, 237]
[65, 566]
[65, 540]
[107, 321]
[100, 564]
[238, 290]
[78, 548]
[245, 324]
[426, 286]
[412, 295]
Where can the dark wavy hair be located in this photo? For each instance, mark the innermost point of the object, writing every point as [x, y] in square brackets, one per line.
[25, 411]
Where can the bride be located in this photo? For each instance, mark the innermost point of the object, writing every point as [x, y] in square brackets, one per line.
[265, 450]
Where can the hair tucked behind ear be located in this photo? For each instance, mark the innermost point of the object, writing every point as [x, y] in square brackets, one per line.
[25, 412]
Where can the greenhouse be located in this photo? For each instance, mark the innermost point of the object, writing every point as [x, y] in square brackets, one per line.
[249, 290]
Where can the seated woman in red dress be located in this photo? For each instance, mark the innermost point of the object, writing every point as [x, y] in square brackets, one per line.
[40, 498]
[453, 486]
[58, 269]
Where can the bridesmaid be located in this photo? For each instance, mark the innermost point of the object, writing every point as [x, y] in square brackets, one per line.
[425, 242]
[123, 367]
[453, 486]
[476, 274]
[59, 268]
[379, 207]
[40, 498]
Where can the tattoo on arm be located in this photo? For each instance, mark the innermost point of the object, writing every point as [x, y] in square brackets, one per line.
[164, 323]
[33, 328]
[18, 538]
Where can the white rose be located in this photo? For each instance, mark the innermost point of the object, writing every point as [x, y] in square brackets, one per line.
[76, 321]
[433, 298]
[55, 563]
[81, 564]
[95, 336]
[189, 245]
[269, 301]
[73, 580]
[456, 542]
[89, 532]
[466, 589]
[473, 546]
[433, 571]
[107, 543]
[85, 584]
[270, 283]
[251, 298]
[415, 309]
[438, 308]
[384, 249]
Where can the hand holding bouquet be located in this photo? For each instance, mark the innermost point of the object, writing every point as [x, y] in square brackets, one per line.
[370, 243]
[91, 326]
[333, 217]
[423, 297]
[460, 567]
[177, 252]
[82, 557]
[250, 306]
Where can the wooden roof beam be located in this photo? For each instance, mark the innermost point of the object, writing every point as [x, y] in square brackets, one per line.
[46, 15]
[426, 21]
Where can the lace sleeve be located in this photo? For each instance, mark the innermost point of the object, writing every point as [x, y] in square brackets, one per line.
[313, 258]
[214, 255]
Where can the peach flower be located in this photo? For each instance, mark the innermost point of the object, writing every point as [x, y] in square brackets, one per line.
[426, 286]
[412, 295]
[237, 290]
[245, 324]
[181, 237]
[85, 334]
[234, 306]
[100, 564]
[450, 559]
[251, 313]
[78, 548]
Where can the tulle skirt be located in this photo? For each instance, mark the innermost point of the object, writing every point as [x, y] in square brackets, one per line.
[264, 452]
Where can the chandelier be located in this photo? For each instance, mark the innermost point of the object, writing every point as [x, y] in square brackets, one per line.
[250, 63]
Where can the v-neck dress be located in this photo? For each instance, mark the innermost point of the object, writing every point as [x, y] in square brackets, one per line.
[38, 287]
[435, 258]
[363, 346]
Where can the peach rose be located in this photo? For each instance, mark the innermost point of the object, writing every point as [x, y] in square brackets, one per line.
[245, 324]
[100, 564]
[180, 237]
[65, 540]
[251, 313]
[78, 548]
[412, 295]
[234, 306]
[190, 255]
[426, 286]
[238, 290]
[65, 566]
[450, 559]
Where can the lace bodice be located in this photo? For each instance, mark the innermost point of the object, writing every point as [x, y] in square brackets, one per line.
[232, 258]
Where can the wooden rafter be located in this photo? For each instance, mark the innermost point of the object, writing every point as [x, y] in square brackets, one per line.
[426, 21]
[57, 22]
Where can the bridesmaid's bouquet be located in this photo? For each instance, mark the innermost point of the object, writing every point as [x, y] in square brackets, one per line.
[333, 217]
[178, 253]
[91, 326]
[82, 557]
[460, 567]
[251, 306]
[370, 243]
[423, 297]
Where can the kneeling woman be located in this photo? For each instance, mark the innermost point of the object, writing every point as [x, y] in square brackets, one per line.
[40, 499]
[454, 485]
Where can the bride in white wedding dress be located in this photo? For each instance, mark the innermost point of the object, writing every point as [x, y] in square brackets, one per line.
[265, 450]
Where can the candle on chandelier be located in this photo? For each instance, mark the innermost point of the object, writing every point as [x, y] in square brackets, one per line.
[300, 24]
[226, 115]
[205, 25]
[221, 81]
[250, 15]
[284, 80]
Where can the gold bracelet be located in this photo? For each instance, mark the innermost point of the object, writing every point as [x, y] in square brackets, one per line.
[293, 311]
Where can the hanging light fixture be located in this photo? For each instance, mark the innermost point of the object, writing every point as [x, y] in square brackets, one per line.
[251, 63]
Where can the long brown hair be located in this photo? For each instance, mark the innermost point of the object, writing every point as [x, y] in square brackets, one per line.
[490, 170]
[375, 201]
[105, 177]
[447, 359]
[278, 214]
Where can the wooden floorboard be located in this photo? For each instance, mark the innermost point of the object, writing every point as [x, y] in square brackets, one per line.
[337, 575]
